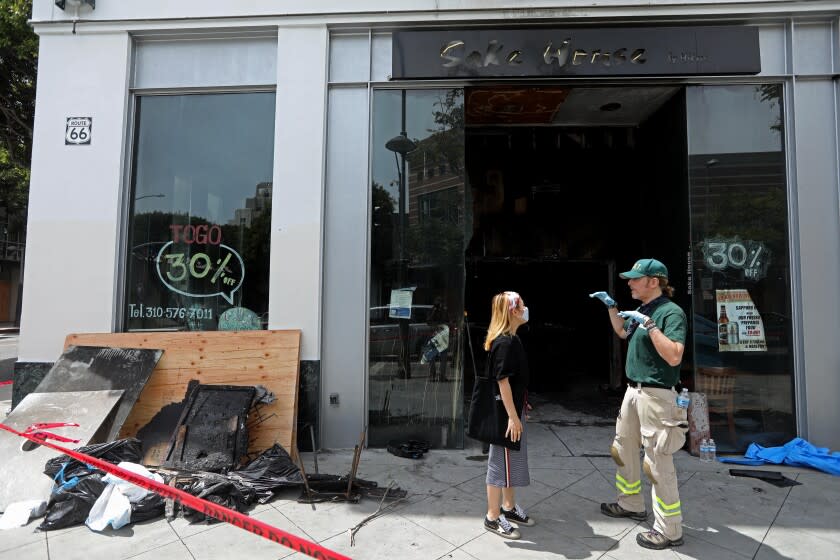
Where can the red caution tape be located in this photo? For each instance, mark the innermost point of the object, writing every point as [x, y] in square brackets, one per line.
[222, 513]
[37, 431]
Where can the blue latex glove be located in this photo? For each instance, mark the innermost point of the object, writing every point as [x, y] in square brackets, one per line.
[636, 316]
[604, 297]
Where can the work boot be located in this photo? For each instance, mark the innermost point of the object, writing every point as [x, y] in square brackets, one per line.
[615, 510]
[656, 540]
[501, 527]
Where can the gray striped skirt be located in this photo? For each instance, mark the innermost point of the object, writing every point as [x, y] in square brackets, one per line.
[507, 468]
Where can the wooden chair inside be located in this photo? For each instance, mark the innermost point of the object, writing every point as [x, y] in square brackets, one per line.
[718, 383]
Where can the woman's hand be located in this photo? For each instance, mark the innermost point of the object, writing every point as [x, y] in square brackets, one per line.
[514, 429]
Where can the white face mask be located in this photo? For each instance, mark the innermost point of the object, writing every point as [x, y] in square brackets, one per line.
[525, 314]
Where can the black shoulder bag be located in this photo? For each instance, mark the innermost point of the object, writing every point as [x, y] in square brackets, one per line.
[488, 419]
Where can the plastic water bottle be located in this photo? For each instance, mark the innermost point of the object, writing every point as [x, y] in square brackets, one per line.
[683, 399]
[712, 451]
[704, 451]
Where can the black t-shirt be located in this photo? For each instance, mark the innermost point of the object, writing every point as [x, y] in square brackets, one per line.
[507, 359]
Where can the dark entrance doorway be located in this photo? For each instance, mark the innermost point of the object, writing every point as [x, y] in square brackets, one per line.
[569, 187]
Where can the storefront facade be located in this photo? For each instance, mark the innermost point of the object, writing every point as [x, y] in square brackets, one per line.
[332, 171]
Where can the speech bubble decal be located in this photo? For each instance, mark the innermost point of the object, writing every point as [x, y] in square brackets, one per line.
[201, 275]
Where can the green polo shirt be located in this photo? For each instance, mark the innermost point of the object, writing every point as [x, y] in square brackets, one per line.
[644, 364]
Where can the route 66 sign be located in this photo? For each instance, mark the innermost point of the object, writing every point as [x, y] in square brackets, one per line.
[78, 130]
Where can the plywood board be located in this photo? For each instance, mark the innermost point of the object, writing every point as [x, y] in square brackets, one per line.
[96, 368]
[22, 471]
[268, 358]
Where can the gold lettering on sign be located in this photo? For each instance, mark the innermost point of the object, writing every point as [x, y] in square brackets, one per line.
[597, 54]
[619, 57]
[492, 57]
[561, 54]
[638, 56]
[578, 53]
[451, 60]
[453, 55]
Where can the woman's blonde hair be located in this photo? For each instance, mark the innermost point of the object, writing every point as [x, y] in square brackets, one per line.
[500, 310]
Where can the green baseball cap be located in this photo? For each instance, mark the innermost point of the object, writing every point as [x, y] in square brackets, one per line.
[646, 267]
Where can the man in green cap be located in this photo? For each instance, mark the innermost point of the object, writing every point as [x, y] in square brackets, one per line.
[649, 414]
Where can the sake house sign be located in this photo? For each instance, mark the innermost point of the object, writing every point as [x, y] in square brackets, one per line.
[575, 52]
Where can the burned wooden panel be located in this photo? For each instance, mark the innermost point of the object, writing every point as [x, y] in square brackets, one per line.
[211, 434]
[267, 358]
[155, 435]
[97, 368]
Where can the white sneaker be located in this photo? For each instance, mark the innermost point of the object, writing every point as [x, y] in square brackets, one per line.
[501, 527]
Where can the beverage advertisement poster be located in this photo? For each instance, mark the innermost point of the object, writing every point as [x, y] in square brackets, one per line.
[740, 328]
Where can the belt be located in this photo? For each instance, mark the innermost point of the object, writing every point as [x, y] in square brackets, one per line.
[639, 385]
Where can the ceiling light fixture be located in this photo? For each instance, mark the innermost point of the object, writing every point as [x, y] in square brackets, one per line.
[76, 5]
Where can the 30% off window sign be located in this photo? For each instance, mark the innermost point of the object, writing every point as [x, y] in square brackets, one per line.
[78, 130]
[752, 257]
[197, 264]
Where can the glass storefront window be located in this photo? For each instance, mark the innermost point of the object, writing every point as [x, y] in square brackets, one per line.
[199, 225]
[415, 381]
[743, 348]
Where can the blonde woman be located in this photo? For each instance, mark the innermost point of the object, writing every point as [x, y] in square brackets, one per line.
[497, 415]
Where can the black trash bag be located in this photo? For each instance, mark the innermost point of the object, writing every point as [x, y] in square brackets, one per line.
[70, 503]
[271, 471]
[411, 449]
[150, 507]
[128, 449]
[219, 490]
[336, 483]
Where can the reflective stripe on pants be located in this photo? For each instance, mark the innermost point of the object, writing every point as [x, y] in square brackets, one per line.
[649, 417]
[627, 488]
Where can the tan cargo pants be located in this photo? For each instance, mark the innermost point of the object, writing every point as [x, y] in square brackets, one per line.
[650, 417]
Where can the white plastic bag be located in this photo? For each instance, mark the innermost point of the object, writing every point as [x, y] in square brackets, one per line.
[113, 507]
[18, 514]
[131, 491]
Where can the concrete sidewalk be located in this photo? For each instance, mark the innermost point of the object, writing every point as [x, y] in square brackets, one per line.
[8, 356]
[725, 517]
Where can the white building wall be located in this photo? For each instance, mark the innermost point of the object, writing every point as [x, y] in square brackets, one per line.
[819, 232]
[372, 10]
[75, 192]
[297, 199]
[345, 285]
[817, 167]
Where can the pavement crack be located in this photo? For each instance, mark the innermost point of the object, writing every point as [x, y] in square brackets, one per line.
[550, 429]
[575, 482]
[302, 530]
[775, 517]
[687, 479]
[180, 539]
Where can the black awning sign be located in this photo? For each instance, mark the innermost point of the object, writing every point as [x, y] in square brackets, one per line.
[544, 52]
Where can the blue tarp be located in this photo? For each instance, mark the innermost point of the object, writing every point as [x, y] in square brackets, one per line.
[796, 453]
